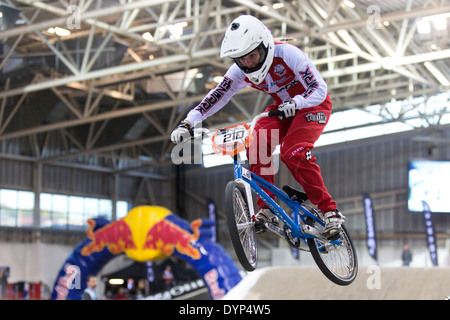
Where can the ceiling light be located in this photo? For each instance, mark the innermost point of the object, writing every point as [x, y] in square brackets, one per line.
[181, 24]
[437, 74]
[278, 5]
[437, 16]
[440, 23]
[176, 30]
[439, 20]
[423, 27]
[218, 79]
[148, 36]
[59, 31]
[116, 281]
[349, 4]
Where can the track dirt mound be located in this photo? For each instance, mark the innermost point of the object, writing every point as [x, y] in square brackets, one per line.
[372, 283]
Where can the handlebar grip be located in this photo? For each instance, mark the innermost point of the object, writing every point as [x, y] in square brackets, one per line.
[276, 113]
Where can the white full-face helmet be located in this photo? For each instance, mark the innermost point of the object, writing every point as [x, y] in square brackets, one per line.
[245, 34]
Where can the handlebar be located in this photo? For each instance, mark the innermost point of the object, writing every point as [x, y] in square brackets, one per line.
[276, 113]
[272, 113]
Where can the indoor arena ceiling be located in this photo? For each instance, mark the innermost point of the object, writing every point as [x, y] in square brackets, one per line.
[102, 83]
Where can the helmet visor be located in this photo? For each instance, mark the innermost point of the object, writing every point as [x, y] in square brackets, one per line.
[262, 50]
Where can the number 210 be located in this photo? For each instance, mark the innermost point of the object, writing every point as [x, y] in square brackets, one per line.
[234, 135]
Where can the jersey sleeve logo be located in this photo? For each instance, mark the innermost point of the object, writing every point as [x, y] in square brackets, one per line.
[310, 81]
[210, 100]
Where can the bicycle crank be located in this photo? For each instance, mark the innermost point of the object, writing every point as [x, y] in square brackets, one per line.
[293, 242]
[277, 230]
[314, 232]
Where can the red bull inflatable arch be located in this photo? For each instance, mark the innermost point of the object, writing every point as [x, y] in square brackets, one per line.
[147, 233]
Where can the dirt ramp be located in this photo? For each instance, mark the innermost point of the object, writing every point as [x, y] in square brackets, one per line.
[372, 283]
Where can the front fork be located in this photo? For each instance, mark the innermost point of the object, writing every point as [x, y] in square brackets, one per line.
[248, 194]
[238, 173]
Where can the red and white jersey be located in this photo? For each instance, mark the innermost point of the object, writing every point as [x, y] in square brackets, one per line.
[292, 76]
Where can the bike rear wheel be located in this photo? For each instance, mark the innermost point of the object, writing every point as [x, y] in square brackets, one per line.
[240, 225]
[338, 262]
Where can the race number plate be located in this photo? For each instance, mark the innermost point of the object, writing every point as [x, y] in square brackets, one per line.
[231, 140]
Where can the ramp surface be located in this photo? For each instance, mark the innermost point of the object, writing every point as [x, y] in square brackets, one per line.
[372, 283]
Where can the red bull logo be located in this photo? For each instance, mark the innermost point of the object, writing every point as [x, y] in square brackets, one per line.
[116, 236]
[166, 236]
[144, 235]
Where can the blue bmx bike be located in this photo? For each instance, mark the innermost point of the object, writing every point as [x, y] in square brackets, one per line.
[301, 225]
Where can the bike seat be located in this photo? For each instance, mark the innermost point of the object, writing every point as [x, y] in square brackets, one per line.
[295, 194]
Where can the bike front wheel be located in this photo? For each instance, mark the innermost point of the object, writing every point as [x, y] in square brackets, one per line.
[337, 260]
[241, 226]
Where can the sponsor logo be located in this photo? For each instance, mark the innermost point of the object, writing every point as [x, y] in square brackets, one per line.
[318, 117]
[166, 236]
[308, 155]
[231, 50]
[266, 87]
[116, 236]
[209, 101]
[212, 280]
[310, 81]
[289, 85]
[162, 237]
[280, 70]
[296, 150]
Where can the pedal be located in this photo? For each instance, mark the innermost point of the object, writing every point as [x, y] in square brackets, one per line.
[260, 226]
[333, 237]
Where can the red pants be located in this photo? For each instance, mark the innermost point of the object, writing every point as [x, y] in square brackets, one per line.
[297, 136]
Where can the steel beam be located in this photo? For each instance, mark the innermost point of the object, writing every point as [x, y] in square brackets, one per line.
[107, 115]
[395, 16]
[109, 72]
[84, 16]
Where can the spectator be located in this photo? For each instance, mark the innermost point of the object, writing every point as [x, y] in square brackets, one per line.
[90, 293]
[3, 284]
[406, 256]
[121, 294]
[168, 276]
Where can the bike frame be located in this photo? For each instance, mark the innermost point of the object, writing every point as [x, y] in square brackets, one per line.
[252, 181]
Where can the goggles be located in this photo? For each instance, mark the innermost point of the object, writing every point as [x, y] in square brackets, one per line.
[262, 50]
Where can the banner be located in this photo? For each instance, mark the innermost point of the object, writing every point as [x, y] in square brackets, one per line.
[370, 226]
[295, 251]
[429, 228]
[211, 207]
[147, 233]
